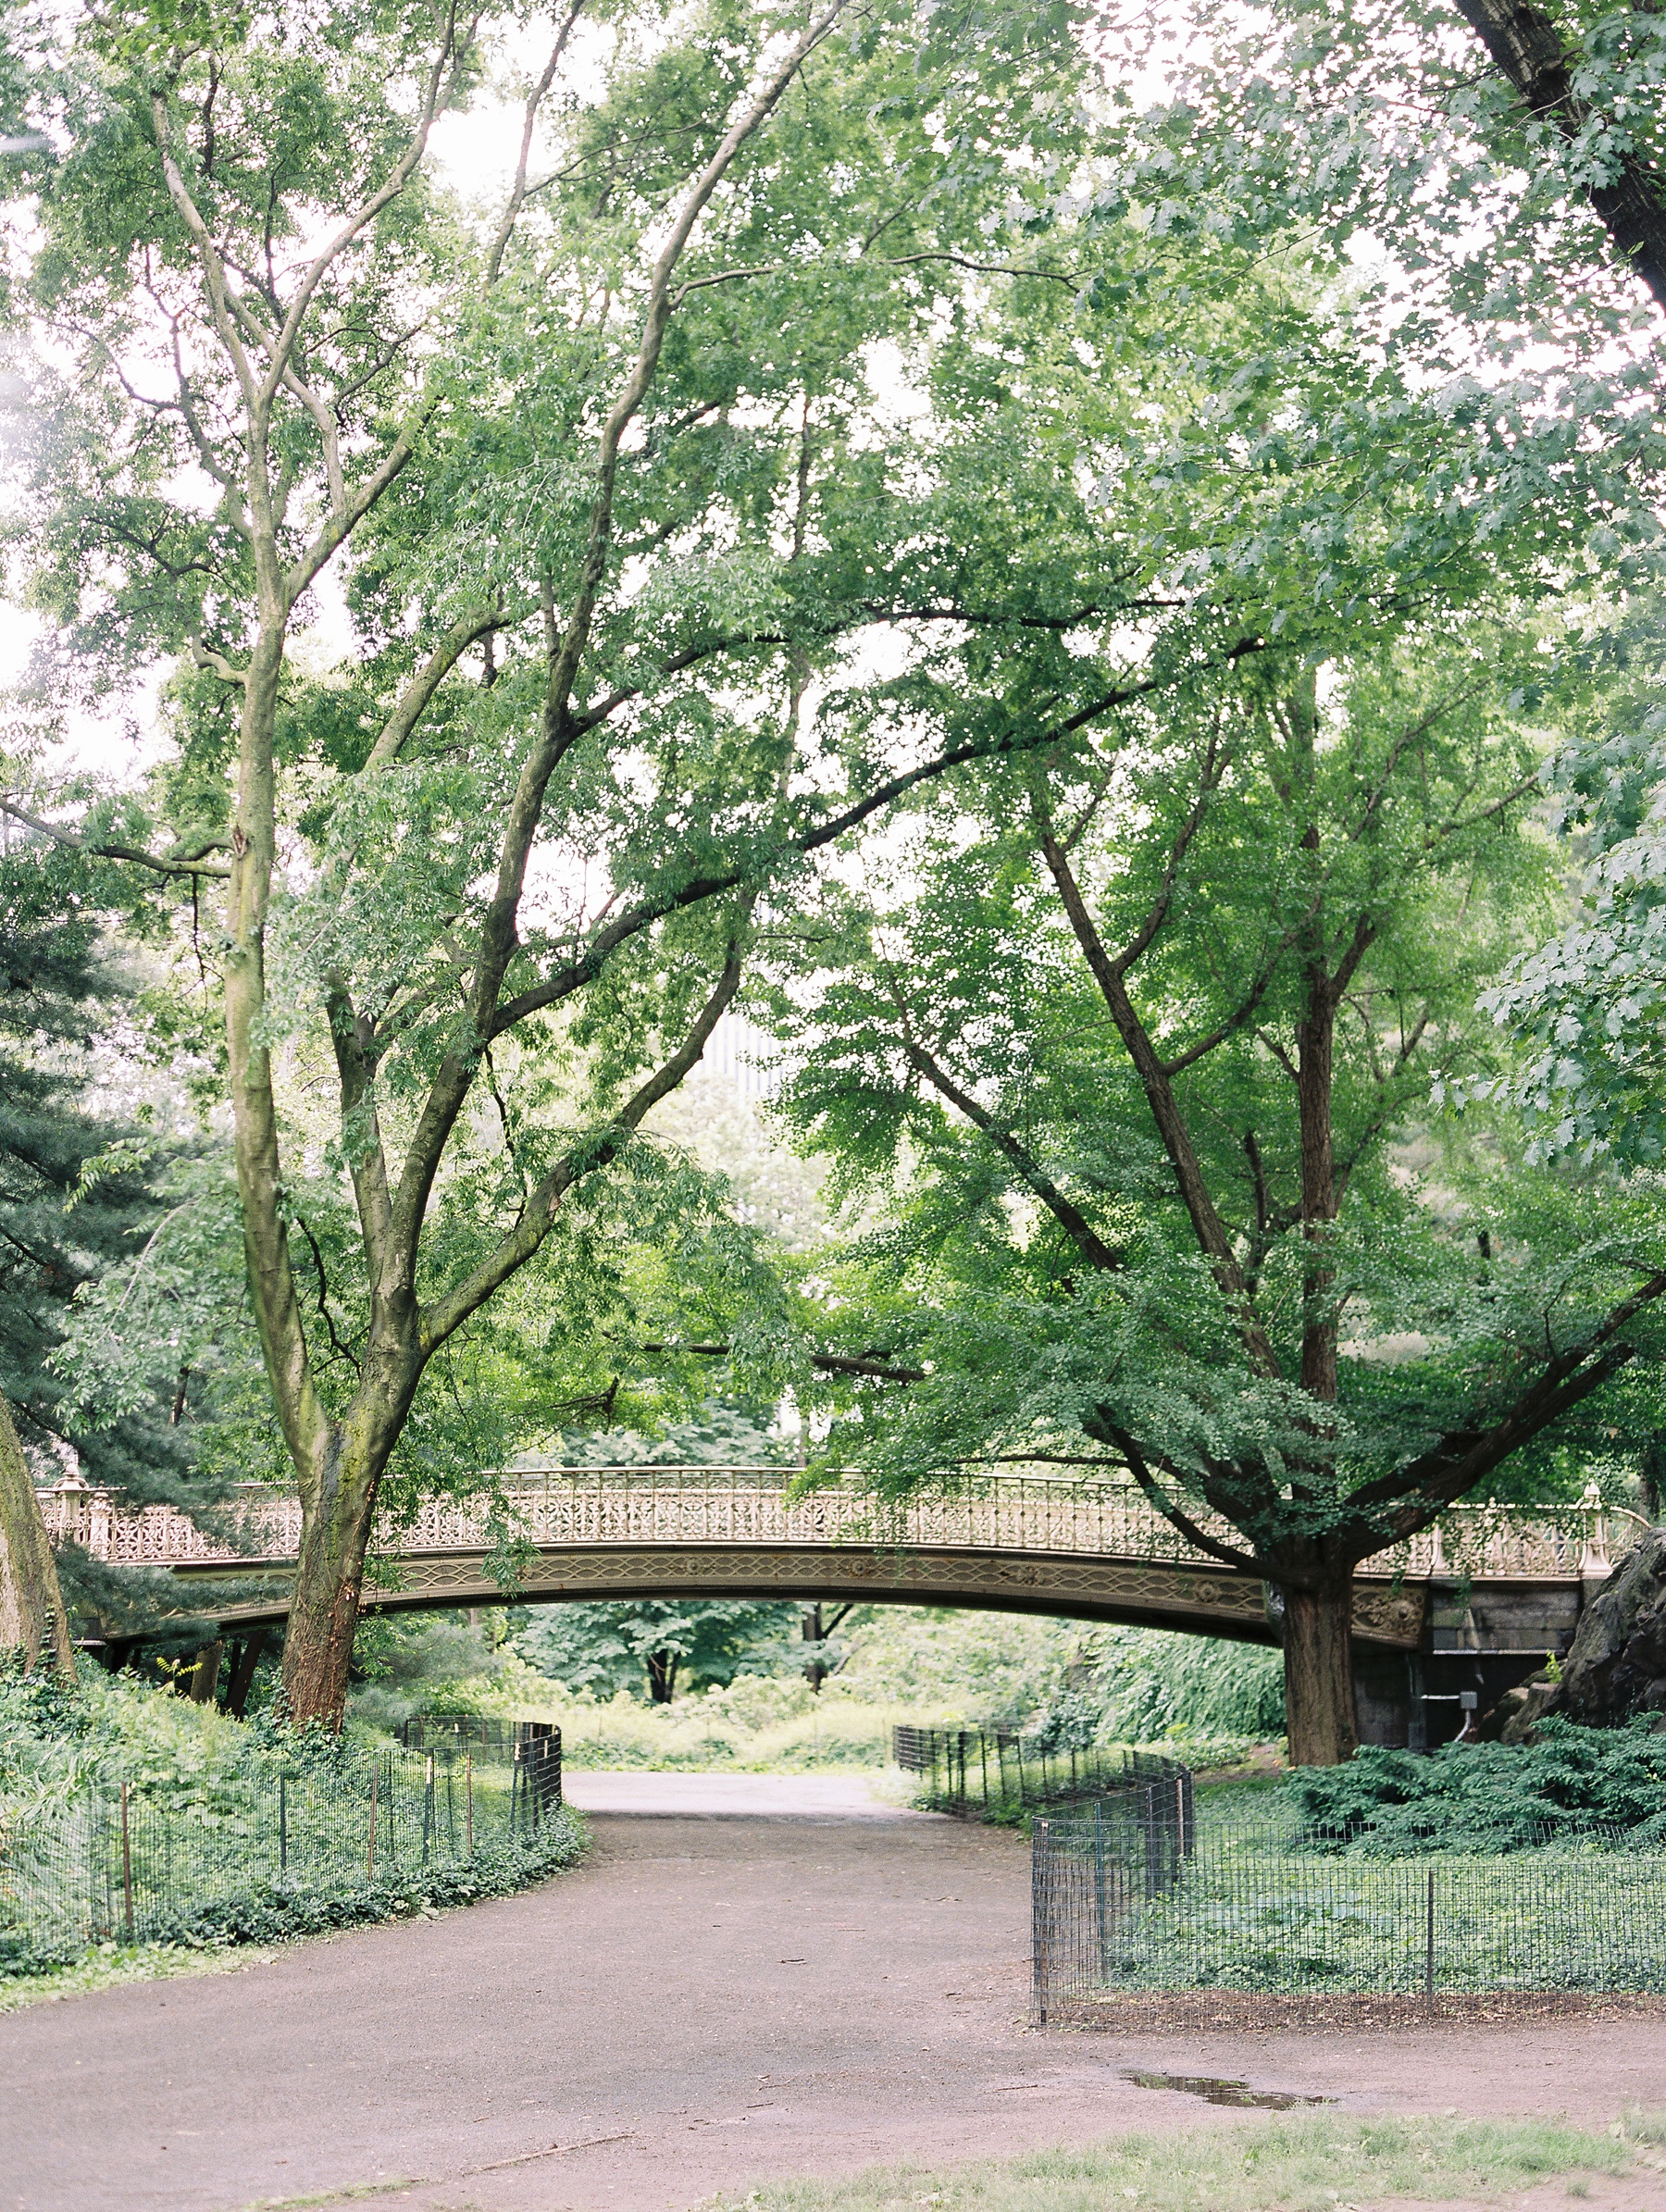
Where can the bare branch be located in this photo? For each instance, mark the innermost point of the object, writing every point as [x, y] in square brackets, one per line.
[443, 81]
[1010, 744]
[1069, 1217]
[1173, 1514]
[341, 1350]
[1069, 278]
[217, 663]
[877, 1371]
[1166, 1108]
[1459, 1460]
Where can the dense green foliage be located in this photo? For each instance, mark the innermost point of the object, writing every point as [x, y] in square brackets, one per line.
[1383, 122]
[91, 1143]
[656, 1645]
[1490, 1797]
[1589, 1009]
[1146, 1686]
[75, 1198]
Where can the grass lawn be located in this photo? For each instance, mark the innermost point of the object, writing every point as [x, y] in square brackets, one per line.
[1302, 2164]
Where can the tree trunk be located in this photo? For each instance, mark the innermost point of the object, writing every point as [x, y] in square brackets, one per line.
[245, 1659]
[324, 1601]
[1318, 1654]
[31, 1605]
[1527, 48]
[204, 1681]
[662, 1676]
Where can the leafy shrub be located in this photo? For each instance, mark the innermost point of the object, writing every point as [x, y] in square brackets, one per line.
[1487, 1797]
[64, 1747]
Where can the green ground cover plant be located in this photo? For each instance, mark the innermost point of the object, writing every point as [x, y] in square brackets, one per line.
[1478, 1870]
[127, 1811]
[1489, 1797]
[269, 1910]
[1251, 1916]
[1314, 2163]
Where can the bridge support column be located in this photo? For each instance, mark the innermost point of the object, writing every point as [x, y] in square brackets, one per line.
[1383, 1706]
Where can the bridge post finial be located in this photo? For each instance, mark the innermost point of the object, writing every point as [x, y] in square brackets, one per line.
[1593, 1561]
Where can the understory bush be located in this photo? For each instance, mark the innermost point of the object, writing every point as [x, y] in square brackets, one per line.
[1487, 1797]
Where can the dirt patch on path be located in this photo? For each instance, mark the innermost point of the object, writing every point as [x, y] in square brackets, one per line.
[711, 2000]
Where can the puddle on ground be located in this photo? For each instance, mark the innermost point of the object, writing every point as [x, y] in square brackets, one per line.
[1226, 2093]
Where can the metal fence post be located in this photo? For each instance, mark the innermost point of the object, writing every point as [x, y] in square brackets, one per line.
[1429, 1948]
[126, 1864]
[282, 1823]
[1099, 1884]
[1041, 1859]
[468, 1799]
[370, 1848]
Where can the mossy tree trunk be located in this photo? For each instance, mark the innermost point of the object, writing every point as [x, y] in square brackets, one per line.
[31, 1605]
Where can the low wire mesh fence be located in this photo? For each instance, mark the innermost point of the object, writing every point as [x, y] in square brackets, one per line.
[998, 1774]
[1139, 1908]
[532, 1747]
[120, 1865]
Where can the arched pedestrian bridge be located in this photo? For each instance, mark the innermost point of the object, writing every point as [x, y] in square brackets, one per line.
[1485, 1579]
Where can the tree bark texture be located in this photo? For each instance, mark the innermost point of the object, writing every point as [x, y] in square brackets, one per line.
[1318, 1656]
[1526, 47]
[329, 1572]
[31, 1605]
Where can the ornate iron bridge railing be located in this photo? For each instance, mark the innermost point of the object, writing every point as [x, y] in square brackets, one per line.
[1016, 1511]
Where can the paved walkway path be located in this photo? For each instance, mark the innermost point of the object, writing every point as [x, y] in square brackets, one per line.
[713, 1998]
[784, 1797]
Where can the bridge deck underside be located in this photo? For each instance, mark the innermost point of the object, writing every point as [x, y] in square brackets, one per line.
[1141, 1593]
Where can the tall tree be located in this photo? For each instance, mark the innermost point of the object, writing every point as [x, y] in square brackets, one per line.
[1134, 1033]
[567, 462]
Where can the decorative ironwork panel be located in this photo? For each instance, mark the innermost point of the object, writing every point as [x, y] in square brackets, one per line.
[1005, 1512]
